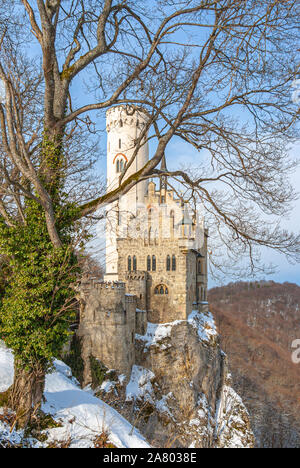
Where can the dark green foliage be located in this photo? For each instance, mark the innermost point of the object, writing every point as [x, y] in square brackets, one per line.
[98, 371]
[36, 309]
[74, 359]
[4, 276]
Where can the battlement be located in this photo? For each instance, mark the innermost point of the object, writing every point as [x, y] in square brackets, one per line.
[93, 282]
[136, 276]
[109, 285]
[122, 116]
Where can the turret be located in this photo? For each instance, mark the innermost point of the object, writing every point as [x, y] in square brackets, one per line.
[124, 125]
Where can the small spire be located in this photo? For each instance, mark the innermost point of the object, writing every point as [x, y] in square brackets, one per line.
[163, 180]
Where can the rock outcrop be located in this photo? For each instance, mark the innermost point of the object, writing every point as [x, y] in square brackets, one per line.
[179, 393]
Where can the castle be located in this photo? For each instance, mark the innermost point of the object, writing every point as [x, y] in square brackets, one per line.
[156, 253]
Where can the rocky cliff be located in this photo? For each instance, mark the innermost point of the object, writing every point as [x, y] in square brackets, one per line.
[179, 393]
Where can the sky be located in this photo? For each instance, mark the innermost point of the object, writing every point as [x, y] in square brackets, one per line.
[182, 154]
[285, 271]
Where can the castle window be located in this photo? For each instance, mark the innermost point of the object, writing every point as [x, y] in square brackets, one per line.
[134, 263]
[150, 213]
[173, 263]
[172, 222]
[148, 263]
[161, 290]
[120, 165]
[199, 267]
[121, 123]
[129, 263]
[120, 143]
[168, 263]
[153, 263]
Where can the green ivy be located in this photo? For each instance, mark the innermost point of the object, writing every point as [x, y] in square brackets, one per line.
[98, 371]
[34, 321]
[74, 358]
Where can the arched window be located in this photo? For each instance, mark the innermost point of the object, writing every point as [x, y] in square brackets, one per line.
[120, 165]
[153, 263]
[173, 263]
[161, 290]
[134, 263]
[168, 263]
[148, 263]
[150, 216]
[172, 222]
[129, 263]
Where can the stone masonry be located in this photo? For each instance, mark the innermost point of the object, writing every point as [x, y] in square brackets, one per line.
[159, 252]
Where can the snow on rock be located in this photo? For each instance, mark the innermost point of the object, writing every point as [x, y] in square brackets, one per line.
[233, 428]
[82, 415]
[205, 325]
[156, 333]
[140, 385]
[183, 374]
[140, 388]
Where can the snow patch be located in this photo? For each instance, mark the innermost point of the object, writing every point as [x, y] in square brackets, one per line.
[140, 386]
[82, 415]
[205, 325]
[156, 333]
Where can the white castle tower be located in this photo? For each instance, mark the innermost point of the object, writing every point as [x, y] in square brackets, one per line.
[124, 126]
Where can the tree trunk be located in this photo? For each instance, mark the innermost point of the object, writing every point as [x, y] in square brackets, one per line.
[26, 393]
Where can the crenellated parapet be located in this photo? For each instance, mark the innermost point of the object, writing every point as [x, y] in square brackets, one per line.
[120, 117]
[136, 276]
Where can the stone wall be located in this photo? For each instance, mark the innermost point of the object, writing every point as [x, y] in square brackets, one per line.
[107, 326]
[181, 284]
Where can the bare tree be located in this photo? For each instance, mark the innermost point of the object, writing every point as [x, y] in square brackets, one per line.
[216, 74]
